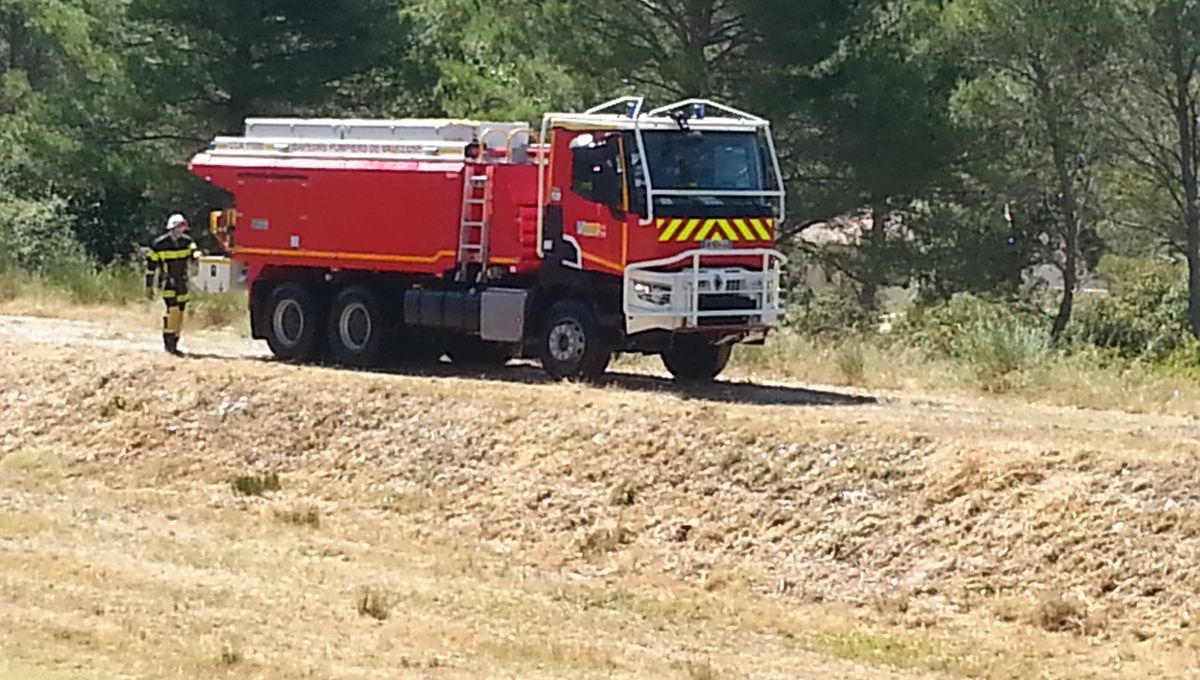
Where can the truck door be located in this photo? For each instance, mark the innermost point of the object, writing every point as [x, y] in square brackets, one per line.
[586, 223]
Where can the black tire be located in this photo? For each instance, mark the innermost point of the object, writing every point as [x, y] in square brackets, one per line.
[291, 319]
[572, 345]
[696, 360]
[356, 330]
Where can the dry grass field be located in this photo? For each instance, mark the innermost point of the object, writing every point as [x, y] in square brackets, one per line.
[230, 516]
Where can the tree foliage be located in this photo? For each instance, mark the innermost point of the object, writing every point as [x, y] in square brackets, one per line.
[966, 141]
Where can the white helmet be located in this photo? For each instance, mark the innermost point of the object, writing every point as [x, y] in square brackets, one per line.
[175, 221]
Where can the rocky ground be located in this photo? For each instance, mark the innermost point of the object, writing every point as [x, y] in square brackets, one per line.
[440, 523]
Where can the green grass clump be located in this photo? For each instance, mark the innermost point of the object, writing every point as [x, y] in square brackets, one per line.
[255, 485]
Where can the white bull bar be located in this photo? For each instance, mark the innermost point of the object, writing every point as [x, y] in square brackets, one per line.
[671, 301]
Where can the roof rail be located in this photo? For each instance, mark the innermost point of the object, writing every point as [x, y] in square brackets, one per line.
[637, 102]
[707, 103]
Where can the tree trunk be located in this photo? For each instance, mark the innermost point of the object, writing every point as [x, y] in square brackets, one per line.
[1186, 121]
[872, 246]
[1068, 204]
[1194, 278]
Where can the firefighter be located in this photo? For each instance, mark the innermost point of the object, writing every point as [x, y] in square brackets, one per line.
[167, 267]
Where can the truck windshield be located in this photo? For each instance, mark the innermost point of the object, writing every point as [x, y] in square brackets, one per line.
[702, 161]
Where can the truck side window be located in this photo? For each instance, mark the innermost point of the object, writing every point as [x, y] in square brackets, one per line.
[636, 178]
[595, 175]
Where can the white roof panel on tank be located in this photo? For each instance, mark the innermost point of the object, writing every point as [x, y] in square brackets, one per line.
[410, 130]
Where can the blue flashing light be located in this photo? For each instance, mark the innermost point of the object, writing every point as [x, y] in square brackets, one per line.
[631, 109]
[698, 111]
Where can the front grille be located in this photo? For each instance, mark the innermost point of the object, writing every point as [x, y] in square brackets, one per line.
[730, 303]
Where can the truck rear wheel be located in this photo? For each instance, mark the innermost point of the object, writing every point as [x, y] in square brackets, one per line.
[356, 329]
[291, 323]
[696, 360]
[573, 346]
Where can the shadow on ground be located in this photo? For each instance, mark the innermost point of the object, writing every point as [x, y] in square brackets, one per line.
[726, 392]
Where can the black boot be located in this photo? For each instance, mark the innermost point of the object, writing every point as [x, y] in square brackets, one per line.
[171, 343]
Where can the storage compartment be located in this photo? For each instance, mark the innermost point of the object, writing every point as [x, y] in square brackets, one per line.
[220, 275]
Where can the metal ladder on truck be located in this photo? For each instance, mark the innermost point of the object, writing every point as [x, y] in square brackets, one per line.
[474, 233]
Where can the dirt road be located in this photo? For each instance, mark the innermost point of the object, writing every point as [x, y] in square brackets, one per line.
[438, 523]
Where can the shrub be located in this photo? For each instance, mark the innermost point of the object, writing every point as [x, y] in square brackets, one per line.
[13, 283]
[36, 236]
[997, 350]
[86, 284]
[831, 314]
[1145, 317]
[994, 339]
[39, 248]
[941, 329]
[1185, 359]
[851, 363]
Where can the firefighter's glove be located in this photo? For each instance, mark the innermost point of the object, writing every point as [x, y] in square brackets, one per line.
[196, 254]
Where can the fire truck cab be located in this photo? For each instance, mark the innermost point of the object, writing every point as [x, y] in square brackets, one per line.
[613, 230]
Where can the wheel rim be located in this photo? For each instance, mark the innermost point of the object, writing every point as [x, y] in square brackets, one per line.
[288, 322]
[567, 341]
[354, 327]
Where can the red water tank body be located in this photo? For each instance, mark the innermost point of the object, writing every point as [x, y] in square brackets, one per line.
[376, 215]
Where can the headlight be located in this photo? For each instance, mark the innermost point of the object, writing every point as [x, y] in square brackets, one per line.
[654, 294]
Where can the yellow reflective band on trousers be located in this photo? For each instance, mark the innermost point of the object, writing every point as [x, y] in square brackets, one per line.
[681, 230]
[173, 321]
[169, 294]
[168, 255]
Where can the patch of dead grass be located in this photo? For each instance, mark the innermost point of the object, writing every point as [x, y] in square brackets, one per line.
[307, 516]
[39, 464]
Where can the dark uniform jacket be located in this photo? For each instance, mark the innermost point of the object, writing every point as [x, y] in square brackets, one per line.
[168, 261]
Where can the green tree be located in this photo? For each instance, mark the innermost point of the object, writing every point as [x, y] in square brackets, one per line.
[866, 124]
[494, 59]
[1038, 73]
[1154, 123]
[664, 48]
[61, 93]
[213, 63]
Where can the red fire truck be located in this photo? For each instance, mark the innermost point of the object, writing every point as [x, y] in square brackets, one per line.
[614, 230]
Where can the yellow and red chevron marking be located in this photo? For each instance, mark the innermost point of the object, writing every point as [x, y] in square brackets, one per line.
[683, 229]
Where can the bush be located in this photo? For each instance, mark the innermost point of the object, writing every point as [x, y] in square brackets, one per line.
[942, 328]
[87, 284]
[36, 236]
[996, 340]
[1144, 318]
[1185, 359]
[997, 350]
[831, 314]
[13, 283]
[38, 249]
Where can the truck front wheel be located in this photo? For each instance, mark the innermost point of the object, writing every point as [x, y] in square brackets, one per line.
[573, 346]
[291, 322]
[696, 360]
[356, 328]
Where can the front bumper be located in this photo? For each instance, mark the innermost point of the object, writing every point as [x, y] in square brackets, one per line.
[704, 294]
